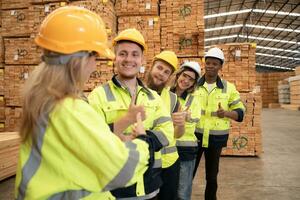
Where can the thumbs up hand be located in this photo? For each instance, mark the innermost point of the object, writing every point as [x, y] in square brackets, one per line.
[179, 117]
[138, 127]
[220, 111]
[134, 109]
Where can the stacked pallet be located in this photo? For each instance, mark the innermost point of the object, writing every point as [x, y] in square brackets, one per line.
[284, 92]
[245, 138]
[9, 147]
[239, 65]
[268, 83]
[145, 19]
[186, 39]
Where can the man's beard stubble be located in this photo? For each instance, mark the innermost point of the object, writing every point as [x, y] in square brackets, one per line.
[153, 86]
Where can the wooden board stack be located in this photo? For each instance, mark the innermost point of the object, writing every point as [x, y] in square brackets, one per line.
[245, 138]
[239, 66]
[268, 83]
[186, 39]
[283, 92]
[20, 21]
[295, 91]
[9, 148]
[137, 7]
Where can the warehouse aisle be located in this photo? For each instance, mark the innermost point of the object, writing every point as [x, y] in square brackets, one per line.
[274, 176]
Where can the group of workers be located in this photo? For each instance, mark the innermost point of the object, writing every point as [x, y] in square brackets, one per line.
[127, 140]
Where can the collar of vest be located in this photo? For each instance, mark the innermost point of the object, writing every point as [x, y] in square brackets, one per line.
[219, 82]
[140, 83]
[183, 95]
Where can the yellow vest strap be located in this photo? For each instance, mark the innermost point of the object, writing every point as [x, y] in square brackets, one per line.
[161, 120]
[108, 93]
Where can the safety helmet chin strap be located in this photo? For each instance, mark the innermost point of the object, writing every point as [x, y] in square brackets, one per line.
[60, 59]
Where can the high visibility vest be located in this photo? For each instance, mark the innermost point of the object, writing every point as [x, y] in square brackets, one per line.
[169, 154]
[77, 157]
[112, 101]
[193, 102]
[210, 124]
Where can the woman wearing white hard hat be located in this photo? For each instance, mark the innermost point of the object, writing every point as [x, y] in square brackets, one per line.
[185, 85]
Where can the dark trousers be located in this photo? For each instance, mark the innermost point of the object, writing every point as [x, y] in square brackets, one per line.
[212, 157]
[170, 178]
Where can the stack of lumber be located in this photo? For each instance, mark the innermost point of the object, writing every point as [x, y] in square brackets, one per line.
[182, 27]
[9, 147]
[268, 83]
[284, 91]
[19, 24]
[245, 139]
[137, 7]
[239, 65]
[295, 92]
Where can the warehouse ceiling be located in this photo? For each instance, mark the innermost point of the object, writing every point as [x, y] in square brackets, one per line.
[274, 25]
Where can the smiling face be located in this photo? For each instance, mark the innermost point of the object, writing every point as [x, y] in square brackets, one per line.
[186, 79]
[129, 58]
[159, 74]
[212, 67]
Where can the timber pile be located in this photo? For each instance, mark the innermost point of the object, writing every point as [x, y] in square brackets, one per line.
[9, 148]
[136, 7]
[295, 90]
[186, 39]
[268, 83]
[245, 139]
[239, 66]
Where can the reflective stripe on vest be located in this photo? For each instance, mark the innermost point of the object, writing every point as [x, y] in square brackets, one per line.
[161, 137]
[213, 132]
[70, 194]
[157, 163]
[173, 99]
[34, 160]
[186, 143]
[108, 93]
[234, 102]
[167, 150]
[161, 120]
[224, 90]
[125, 174]
[189, 101]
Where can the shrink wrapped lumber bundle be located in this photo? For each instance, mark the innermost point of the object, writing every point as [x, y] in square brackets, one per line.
[245, 138]
[9, 148]
[14, 78]
[283, 92]
[295, 90]
[297, 71]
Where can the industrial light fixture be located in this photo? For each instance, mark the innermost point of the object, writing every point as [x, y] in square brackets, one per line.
[274, 66]
[277, 56]
[272, 12]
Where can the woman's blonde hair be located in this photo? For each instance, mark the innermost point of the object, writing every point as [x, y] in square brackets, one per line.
[46, 86]
[173, 82]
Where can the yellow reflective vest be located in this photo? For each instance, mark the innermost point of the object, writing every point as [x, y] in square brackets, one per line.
[192, 100]
[215, 130]
[112, 101]
[77, 157]
[169, 154]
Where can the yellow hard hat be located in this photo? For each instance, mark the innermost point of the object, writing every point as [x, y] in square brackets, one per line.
[169, 57]
[131, 34]
[72, 29]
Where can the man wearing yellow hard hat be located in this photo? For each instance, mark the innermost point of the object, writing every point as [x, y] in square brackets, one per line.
[164, 65]
[122, 98]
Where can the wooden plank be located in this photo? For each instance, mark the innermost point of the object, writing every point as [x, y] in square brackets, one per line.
[137, 7]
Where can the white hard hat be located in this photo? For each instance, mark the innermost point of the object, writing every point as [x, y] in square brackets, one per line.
[215, 53]
[192, 65]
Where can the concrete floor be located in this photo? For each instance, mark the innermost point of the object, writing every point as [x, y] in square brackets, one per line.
[273, 176]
